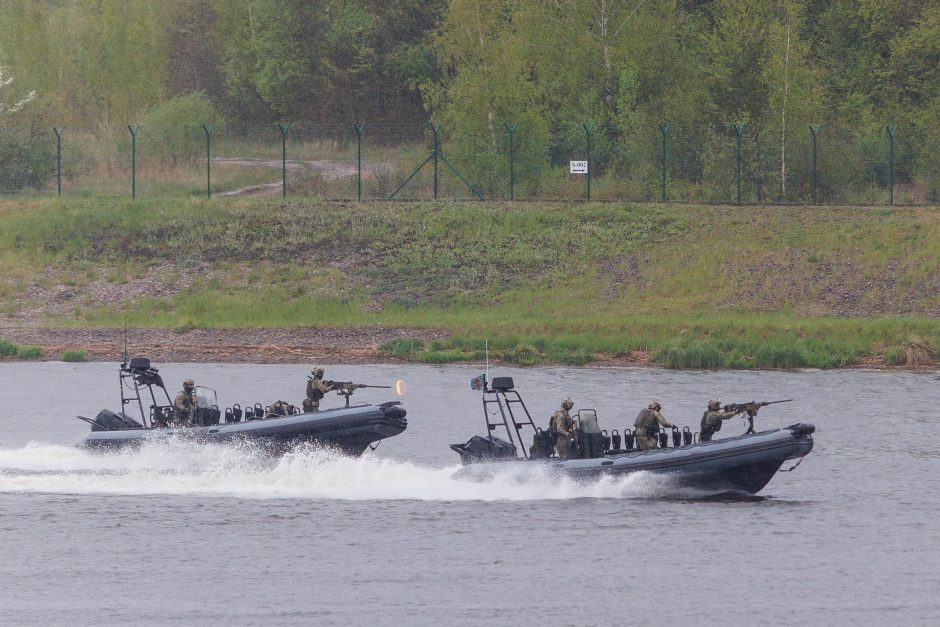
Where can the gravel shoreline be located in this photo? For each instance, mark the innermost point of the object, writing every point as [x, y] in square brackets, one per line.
[356, 345]
[348, 345]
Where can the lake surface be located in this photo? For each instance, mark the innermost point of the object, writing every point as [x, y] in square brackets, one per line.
[185, 534]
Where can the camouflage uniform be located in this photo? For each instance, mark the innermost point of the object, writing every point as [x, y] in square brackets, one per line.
[561, 426]
[278, 408]
[185, 403]
[711, 420]
[316, 390]
[646, 426]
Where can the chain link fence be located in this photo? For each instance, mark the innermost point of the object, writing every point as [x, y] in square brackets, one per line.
[813, 165]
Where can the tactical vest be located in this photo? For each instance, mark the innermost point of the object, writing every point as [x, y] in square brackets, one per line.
[313, 391]
[709, 430]
[647, 422]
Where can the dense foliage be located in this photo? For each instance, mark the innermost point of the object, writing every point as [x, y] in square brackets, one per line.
[707, 67]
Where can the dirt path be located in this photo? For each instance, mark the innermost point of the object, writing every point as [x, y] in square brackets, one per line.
[328, 169]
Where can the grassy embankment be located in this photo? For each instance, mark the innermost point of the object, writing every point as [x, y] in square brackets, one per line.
[687, 286]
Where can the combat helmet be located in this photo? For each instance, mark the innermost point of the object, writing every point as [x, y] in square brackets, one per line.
[317, 372]
[567, 404]
[188, 383]
[714, 404]
[655, 406]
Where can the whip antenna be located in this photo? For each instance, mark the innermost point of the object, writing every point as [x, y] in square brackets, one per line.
[486, 349]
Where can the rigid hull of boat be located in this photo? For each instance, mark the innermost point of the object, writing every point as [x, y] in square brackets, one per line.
[742, 464]
[350, 429]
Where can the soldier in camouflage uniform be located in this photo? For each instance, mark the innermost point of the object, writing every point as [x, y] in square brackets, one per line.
[711, 420]
[277, 408]
[316, 390]
[646, 426]
[185, 403]
[563, 428]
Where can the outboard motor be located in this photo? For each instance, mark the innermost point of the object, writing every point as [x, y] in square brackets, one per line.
[676, 437]
[628, 439]
[686, 436]
[615, 440]
[481, 448]
[663, 438]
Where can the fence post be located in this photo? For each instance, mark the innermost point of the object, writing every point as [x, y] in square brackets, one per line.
[208, 130]
[360, 129]
[511, 129]
[436, 129]
[738, 131]
[815, 131]
[58, 157]
[664, 130]
[588, 128]
[133, 129]
[891, 129]
[283, 128]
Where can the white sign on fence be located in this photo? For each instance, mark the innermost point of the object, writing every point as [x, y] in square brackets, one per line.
[579, 167]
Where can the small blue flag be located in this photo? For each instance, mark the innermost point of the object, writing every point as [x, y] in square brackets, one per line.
[478, 383]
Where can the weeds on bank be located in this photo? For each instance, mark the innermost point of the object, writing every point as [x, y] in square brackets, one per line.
[75, 355]
[9, 349]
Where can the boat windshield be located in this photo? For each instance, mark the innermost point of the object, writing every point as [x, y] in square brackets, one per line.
[206, 398]
[587, 421]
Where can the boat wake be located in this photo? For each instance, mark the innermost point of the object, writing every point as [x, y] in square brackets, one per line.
[242, 471]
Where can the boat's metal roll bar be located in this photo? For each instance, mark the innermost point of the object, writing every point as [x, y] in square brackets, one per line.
[141, 374]
[501, 393]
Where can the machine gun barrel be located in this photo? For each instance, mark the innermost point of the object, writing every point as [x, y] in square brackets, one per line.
[350, 384]
[751, 410]
[753, 405]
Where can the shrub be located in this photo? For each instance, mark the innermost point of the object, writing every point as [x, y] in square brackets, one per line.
[75, 355]
[173, 131]
[914, 352]
[29, 352]
[7, 348]
[25, 161]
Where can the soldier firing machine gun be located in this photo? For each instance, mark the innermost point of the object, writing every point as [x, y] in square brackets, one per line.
[346, 388]
[750, 410]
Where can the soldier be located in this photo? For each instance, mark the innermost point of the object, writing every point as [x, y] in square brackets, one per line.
[278, 408]
[646, 426]
[711, 419]
[316, 390]
[562, 427]
[185, 403]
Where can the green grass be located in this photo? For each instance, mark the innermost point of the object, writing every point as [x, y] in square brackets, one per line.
[8, 348]
[75, 355]
[29, 352]
[688, 286]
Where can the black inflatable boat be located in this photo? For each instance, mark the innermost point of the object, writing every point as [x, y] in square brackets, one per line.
[350, 429]
[742, 464]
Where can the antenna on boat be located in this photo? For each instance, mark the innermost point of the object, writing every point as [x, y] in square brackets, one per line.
[124, 354]
[486, 349]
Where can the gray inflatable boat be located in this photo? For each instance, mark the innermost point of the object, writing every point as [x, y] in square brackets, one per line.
[742, 464]
[350, 429]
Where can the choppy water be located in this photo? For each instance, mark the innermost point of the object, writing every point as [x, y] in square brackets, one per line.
[185, 534]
